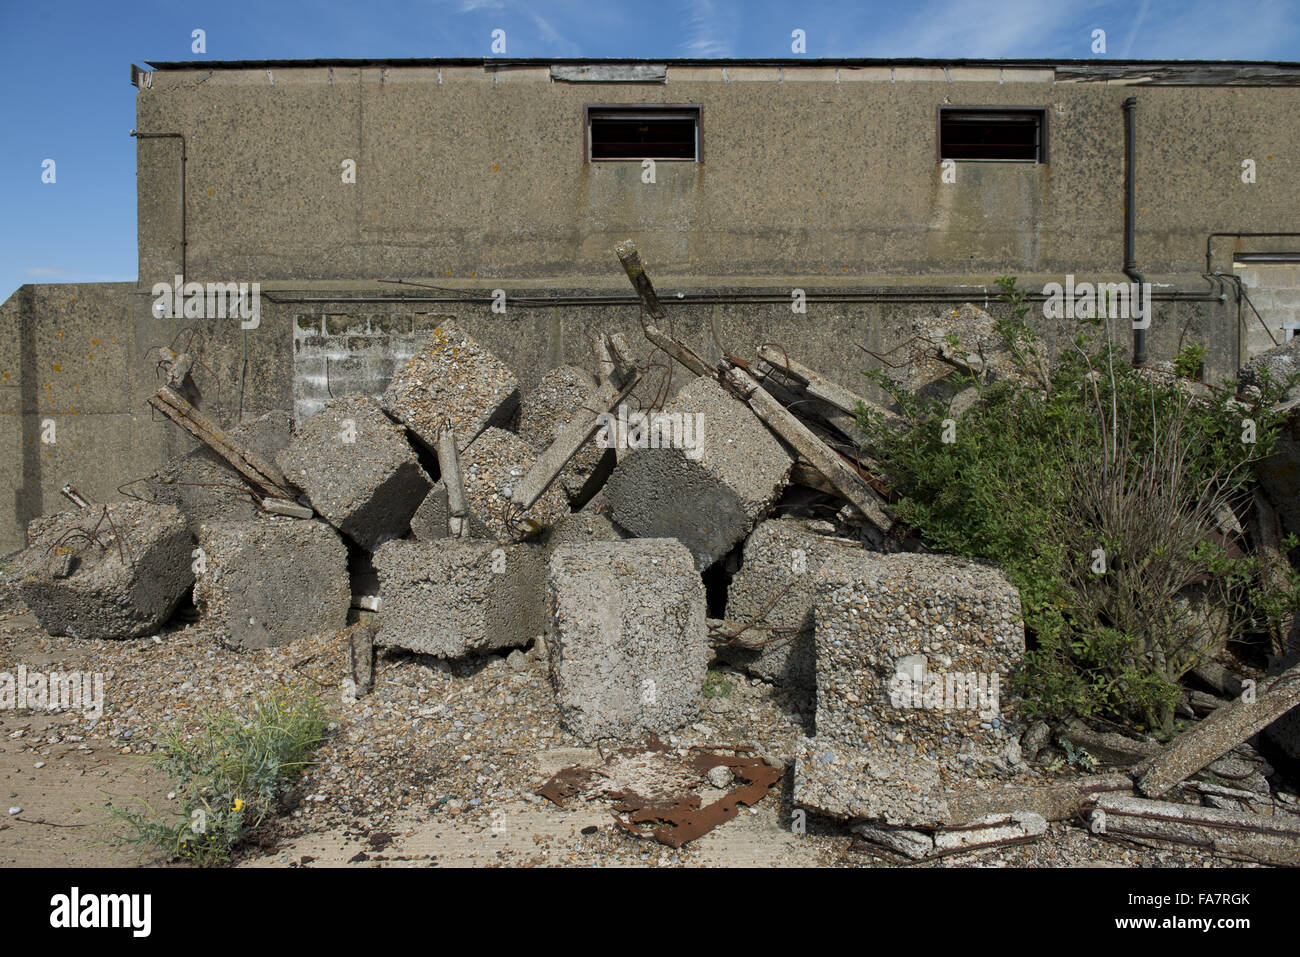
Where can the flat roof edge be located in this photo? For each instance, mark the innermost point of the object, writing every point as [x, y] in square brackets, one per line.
[1088, 65]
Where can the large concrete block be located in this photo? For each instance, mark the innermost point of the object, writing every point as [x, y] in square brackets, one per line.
[711, 490]
[628, 641]
[1277, 365]
[782, 575]
[270, 581]
[560, 395]
[88, 574]
[452, 381]
[453, 597]
[357, 469]
[579, 528]
[914, 658]
[491, 467]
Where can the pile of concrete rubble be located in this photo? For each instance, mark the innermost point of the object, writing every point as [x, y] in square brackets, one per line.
[462, 518]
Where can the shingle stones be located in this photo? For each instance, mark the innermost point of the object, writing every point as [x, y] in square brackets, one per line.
[357, 469]
[115, 571]
[271, 581]
[451, 381]
[709, 472]
[914, 657]
[627, 640]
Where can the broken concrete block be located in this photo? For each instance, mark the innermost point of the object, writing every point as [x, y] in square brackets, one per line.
[627, 638]
[1277, 365]
[1109, 748]
[451, 381]
[111, 571]
[361, 656]
[1270, 839]
[579, 528]
[946, 350]
[491, 468]
[544, 411]
[204, 486]
[1018, 826]
[914, 657]
[456, 597]
[429, 523]
[915, 845]
[704, 471]
[993, 829]
[357, 469]
[270, 581]
[1225, 729]
[783, 567]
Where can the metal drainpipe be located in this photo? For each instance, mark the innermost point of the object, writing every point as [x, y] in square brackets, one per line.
[1130, 218]
[184, 159]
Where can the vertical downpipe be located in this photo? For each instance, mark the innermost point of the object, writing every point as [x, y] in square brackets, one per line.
[1130, 219]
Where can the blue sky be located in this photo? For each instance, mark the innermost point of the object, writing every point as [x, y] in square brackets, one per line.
[68, 98]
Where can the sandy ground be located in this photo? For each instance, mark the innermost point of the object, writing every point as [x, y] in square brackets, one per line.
[437, 767]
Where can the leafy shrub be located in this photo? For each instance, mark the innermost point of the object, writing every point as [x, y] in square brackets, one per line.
[230, 777]
[1190, 361]
[1096, 487]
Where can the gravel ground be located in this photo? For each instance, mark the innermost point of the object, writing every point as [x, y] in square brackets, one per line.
[439, 764]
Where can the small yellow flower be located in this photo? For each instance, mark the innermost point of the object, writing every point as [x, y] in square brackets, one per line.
[239, 804]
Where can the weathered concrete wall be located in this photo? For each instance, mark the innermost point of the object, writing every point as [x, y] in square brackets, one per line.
[473, 179]
[65, 364]
[470, 172]
[85, 357]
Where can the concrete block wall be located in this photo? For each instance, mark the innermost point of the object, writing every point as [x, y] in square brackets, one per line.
[337, 353]
[1275, 292]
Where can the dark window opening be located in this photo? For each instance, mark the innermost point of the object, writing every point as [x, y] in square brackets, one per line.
[638, 133]
[993, 134]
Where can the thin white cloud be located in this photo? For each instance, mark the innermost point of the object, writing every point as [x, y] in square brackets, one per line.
[1127, 51]
[984, 29]
[547, 33]
[707, 34]
[551, 37]
[44, 271]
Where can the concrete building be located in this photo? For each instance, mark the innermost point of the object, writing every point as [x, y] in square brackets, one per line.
[369, 199]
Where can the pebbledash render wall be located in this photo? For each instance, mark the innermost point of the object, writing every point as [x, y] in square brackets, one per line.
[471, 176]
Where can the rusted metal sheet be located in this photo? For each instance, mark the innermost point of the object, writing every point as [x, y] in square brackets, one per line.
[685, 820]
[677, 816]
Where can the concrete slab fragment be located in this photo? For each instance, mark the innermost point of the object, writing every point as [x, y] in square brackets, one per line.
[627, 639]
[270, 581]
[717, 475]
[357, 469]
[115, 571]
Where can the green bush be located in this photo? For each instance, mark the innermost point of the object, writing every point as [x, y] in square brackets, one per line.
[1090, 459]
[230, 777]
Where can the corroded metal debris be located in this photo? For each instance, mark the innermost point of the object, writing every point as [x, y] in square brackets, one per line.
[655, 791]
